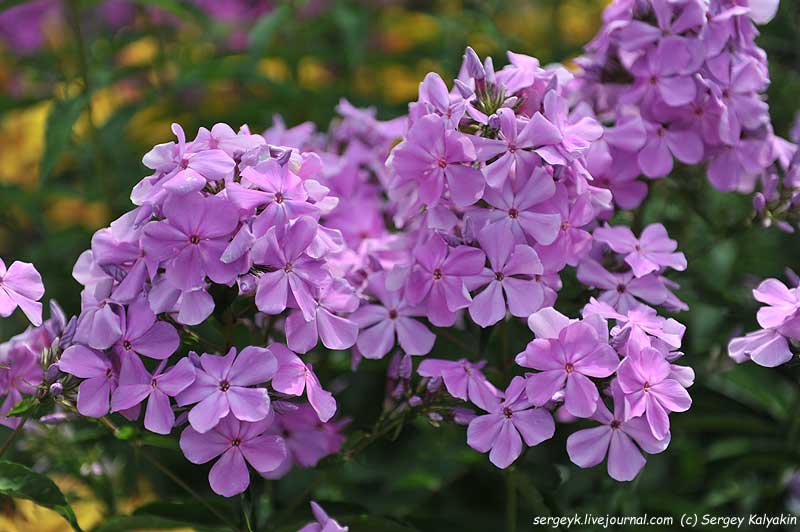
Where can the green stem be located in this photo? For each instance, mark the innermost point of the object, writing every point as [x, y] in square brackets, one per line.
[74, 19]
[511, 500]
[14, 435]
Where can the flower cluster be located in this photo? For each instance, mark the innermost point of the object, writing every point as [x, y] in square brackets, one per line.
[680, 80]
[227, 230]
[779, 319]
[492, 188]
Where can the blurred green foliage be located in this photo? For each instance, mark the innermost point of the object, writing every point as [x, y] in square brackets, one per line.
[78, 115]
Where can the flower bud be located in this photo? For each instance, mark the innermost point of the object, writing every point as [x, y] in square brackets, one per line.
[464, 89]
[56, 388]
[473, 64]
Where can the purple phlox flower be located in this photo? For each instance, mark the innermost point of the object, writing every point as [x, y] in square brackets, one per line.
[136, 384]
[143, 335]
[189, 307]
[617, 171]
[292, 270]
[307, 439]
[641, 326]
[129, 260]
[649, 253]
[519, 208]
[644, 379]
[510, 278]
[225, 384]
[100, 372]
[572, 243]
[736, 166]
[438, 278]
[548, 323]
[392, 316]
[782, 303]
[99, 324]
[433, 155]
[503, 429]
[620, 290]
[435, 98]
[518, 146]
[664, 141]
[324, 523]
[192, 239]
[622, 440]
[576, 135]
[663, 73]
[223, 137]
[21, 286]
[186, 170]
[463, 380]
[671, 21]
[742, 107]
[276, 193]
[568, 363]
[240, 443]
[766, 347]
[20, 374]
[335, 331]
[294, 376]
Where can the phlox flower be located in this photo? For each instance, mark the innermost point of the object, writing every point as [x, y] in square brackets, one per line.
[621, 440]
[438, 276]
[518, 208]
[641, 326]
[223, 384]
[433, 155]
[572, 242]
[517, 147]
[294, 376]
[649, 253]
[502, 431]
[240, 443]
[307, 440]
[191, 240]
[21, 286]
[20, 374]
[276, 192]
[510, 277]
[766, 347]
[185, 169]
[620, 290]
[391, 317]
[335, 331]
[782, 303]
[223, 137]
[136, 385]
[463, 380]
[644, 378]
[101, 373]
[292, 269]
[568, 363]
[143, 335]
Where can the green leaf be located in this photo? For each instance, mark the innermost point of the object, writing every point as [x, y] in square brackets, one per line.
[28, 404]
[58, 130]
[181, 9]
[266, 27]
[16, 480]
